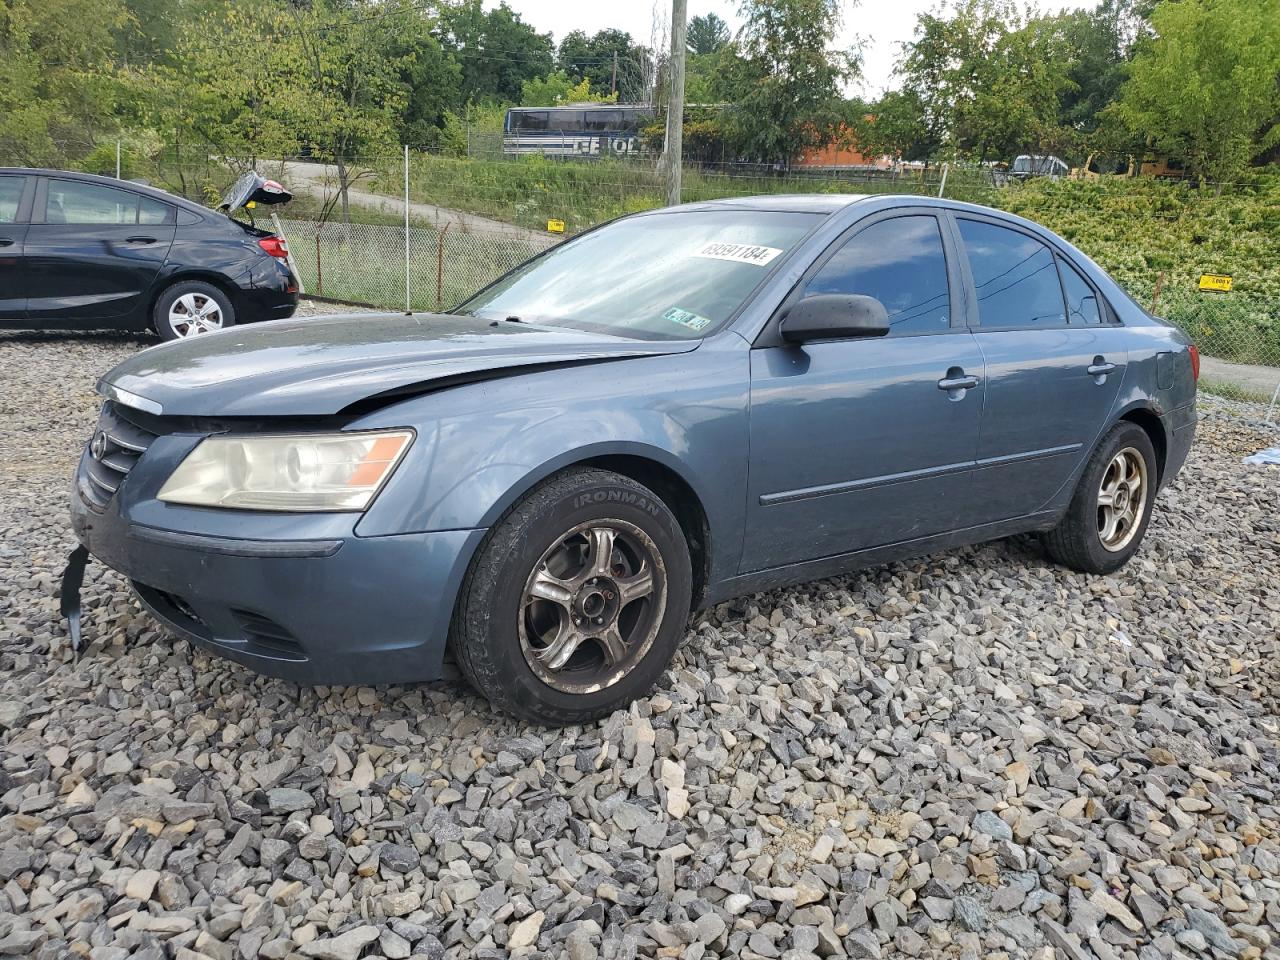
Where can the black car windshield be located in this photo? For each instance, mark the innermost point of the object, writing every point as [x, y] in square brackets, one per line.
[670, 276]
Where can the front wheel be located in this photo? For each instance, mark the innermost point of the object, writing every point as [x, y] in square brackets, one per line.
[576, 601]
[1109, 513]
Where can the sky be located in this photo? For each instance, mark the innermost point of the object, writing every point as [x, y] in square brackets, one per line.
[882, 23]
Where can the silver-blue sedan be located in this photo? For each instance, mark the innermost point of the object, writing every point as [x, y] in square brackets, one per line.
[675, 408]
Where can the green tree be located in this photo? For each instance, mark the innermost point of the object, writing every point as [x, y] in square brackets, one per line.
[989, 82]
[432, 80]
[319, 78]
[706, 34]
[594, 59]
[150, 31]
[1205, 89]
[59, 83]
[558, 88]
[899, 125]
[496, 50]
[787, 79]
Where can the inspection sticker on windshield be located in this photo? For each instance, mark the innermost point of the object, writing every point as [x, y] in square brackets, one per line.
[687, 318]
[739, 252]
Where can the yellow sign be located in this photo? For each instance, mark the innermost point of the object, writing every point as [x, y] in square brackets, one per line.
[1215, 281]
[555, 226]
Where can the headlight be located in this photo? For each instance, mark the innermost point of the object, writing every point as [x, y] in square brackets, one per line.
[307, 472]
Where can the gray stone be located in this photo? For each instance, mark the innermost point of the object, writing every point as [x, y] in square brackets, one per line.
[1214, 931]
[862, 945]
[990, 824]
[345, 946]
[288, 800]
[970, 914]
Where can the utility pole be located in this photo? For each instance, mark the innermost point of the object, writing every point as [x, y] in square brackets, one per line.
[613, 84]
[672, 154]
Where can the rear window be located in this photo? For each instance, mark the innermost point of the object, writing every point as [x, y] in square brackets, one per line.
[1082, 302]
[70, 201]
[10, 197]
[1015, 277]
[93, 204]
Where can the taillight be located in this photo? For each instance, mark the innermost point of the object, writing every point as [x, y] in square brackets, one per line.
[1195, 363]
[275, 246]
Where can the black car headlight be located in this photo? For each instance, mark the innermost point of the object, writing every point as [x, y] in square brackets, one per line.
[302, 472]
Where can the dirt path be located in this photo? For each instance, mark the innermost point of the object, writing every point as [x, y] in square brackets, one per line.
[1257, 380]
[320, 180]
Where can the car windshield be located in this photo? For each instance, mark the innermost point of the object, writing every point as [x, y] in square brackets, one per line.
[669, 276]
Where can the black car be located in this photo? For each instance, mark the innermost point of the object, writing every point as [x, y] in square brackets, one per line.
[80, 252]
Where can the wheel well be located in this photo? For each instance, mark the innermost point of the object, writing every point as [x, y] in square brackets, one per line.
[1150, 423]
[684, 503]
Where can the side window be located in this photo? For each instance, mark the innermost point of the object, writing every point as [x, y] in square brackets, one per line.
[70, 201]
[1082, 302]
[532, 121]
[901, 263]
[154, 211]
[10, 197]
[1015, 277]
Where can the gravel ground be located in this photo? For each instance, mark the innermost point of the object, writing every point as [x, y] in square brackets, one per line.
[974, 755]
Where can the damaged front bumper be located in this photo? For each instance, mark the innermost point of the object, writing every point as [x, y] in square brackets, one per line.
[299, 597]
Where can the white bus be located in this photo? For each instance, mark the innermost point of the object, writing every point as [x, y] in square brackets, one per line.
[580, 130]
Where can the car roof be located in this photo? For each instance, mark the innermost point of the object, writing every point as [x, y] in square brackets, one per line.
[150, 191]
[782, 202]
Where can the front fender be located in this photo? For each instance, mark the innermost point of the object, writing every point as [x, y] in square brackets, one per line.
[482, 446]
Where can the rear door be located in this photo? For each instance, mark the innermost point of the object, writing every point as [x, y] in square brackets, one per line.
[93, 252]
[15, 205]
[1054, 363]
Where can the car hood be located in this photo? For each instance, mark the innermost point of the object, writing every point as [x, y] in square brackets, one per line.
[324, 365]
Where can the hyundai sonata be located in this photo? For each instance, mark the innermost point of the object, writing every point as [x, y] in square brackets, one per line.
[675, 408]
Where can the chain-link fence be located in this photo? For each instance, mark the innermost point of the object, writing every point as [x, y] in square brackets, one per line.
[366, 262]
[473, 218]
[1237, 330]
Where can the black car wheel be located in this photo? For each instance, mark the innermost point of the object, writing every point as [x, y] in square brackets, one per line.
[191, 308]
[576, 601]
[1109, 513]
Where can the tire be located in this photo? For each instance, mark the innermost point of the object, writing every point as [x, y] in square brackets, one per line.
[506, 639]
[1080, 540]
[214, 310]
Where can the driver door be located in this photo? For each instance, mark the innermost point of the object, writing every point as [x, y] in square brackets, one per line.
[866, 442]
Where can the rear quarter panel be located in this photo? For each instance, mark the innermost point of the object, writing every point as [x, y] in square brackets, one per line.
[214, 250]
[483, 445]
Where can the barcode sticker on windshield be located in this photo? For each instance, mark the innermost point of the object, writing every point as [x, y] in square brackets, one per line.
[739, 252]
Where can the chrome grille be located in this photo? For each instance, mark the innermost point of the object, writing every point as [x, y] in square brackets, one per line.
[117, 443]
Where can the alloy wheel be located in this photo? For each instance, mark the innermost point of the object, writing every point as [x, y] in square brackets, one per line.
[1122, 499]
[592, 606]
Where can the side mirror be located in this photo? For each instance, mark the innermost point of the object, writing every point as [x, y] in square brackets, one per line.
[834, 316]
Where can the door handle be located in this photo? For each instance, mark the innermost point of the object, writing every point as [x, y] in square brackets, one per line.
[140, 239]
[958, 383]
[5, 242]
[1100, 367]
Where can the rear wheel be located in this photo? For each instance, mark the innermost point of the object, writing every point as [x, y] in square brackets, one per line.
[576, 601]
[192, 308]
[1109, 513]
